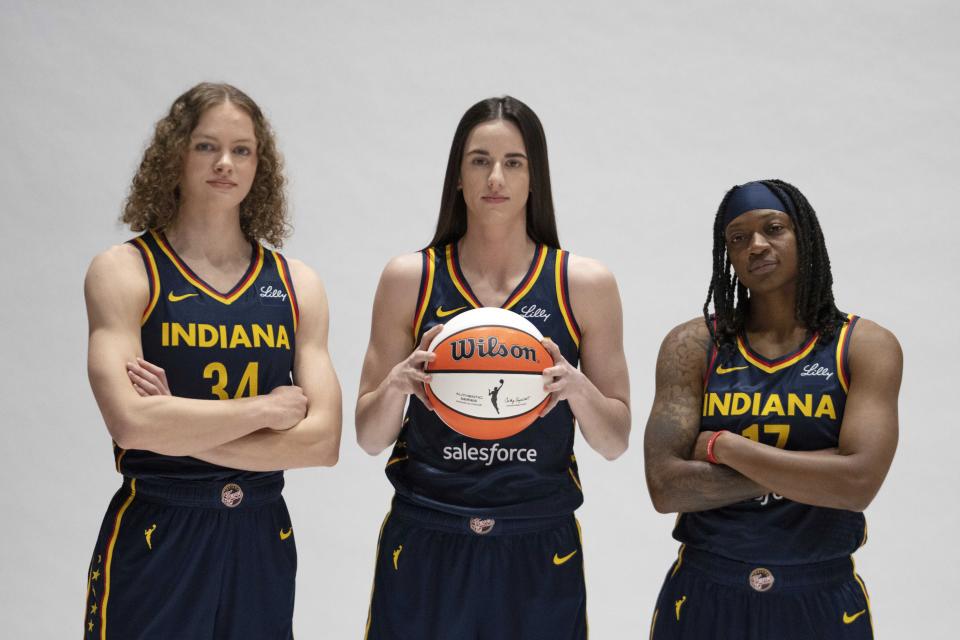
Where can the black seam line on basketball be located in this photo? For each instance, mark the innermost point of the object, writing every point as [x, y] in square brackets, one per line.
[467, 415]
[496, 371]
[493, 326]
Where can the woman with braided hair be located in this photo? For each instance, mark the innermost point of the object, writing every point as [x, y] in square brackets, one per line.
[772, 429]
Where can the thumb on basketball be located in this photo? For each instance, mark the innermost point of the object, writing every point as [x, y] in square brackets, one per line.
[429, 336]
[553, 350]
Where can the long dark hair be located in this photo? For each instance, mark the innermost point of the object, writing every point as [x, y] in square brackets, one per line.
[815, 307]
[541, 221]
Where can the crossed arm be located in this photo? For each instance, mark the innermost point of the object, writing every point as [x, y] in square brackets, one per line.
[680, 479]
[116, 290]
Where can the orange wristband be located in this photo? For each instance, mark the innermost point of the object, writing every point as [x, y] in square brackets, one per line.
[710, 443]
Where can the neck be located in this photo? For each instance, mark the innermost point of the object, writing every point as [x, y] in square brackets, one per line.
[212, 234]
[497, 251]
[774, 314]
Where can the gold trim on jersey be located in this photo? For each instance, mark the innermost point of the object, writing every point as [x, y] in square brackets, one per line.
[773, 367]
[238, 291]
[583, 565]
[376, 560]
[532, 280]
[565, 310]
[427, 291]
[865, 594]
[287, 280]
[456, 279]
[154, 276]
[109, 563]
[842, 373]
[676, 567]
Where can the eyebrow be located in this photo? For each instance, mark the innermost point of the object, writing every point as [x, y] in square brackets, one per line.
[484, 152]
[209, 137]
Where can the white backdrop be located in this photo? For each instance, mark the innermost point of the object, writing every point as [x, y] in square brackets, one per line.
[652, 110]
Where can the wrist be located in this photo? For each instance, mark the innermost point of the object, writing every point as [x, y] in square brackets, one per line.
[712, 447]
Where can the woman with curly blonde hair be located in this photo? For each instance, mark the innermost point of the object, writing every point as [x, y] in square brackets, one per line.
[208, 359]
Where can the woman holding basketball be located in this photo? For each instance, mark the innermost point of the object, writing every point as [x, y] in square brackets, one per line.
[477, 543]
[769, 520]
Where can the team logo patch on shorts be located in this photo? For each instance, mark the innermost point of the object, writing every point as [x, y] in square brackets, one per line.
[482, 526]
[761, 579]
[231, 495]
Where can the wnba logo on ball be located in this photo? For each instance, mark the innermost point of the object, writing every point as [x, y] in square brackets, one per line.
[486, 379]
[489, 347]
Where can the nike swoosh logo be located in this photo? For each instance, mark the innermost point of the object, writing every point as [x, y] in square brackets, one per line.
[443, 314]
[721, 370]
[286, 534]
[848, 619]
[557, 560]
[175, 298]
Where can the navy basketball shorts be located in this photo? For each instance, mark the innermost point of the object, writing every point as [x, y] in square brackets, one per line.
[707, 596]
[444, 577]
[193, 561]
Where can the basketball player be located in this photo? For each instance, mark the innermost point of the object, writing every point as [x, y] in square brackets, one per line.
[479, 544]
[773, 427]
[209, 326]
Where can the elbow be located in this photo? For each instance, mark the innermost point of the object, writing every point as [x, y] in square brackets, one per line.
[325, 451]
[859, 494]
[613, 452]
[659, 496]
[369, 447]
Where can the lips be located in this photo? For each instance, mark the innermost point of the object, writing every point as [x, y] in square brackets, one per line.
[495, 199]
[765, 266]
[223, 184]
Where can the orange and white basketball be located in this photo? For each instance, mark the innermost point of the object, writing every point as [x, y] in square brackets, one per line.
[486, 379]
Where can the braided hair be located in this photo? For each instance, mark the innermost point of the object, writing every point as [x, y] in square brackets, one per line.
[731, 300]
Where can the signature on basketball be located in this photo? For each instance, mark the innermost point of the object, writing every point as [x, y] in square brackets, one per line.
[533, 311]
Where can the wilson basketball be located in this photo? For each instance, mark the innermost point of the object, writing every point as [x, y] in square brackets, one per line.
[486, 378]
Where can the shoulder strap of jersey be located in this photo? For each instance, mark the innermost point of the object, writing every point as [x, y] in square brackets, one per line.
[843, 349]
[153, 275]
[561, 263]
[426, 289]
[283, 270]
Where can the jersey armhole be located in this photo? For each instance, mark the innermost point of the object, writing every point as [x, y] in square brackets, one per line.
[426, 289]
[153, 276]
[284, 270]
[563, 296]
[843, 351]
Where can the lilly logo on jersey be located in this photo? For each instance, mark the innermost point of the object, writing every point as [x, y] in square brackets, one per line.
[489, 347]
[816, 370]
[272, 294]
[532, 312]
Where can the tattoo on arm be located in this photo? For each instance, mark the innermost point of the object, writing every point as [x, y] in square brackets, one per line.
[677, 483]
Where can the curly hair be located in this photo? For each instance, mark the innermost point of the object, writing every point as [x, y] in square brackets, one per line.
[155, 191]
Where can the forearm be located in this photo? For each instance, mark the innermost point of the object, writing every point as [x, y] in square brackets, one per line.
[183, 426]
[821, 478]
[379, 417]
[314, 442]
[604, 422]
[683, 486]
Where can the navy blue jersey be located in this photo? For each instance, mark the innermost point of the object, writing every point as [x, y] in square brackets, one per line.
[795, 402]
[530, 474]
[212, 345]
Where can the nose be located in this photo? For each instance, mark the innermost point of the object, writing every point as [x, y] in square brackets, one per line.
[758, 243]
[495, 179]
[224, 164]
